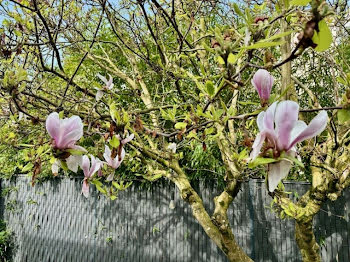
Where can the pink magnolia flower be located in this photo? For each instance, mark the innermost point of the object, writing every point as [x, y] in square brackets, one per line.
[65, 132]
[73, 162]
[127, 139]
[115, 162]
[280, 128]
[108, 85]
[263, 82]
[89, 169]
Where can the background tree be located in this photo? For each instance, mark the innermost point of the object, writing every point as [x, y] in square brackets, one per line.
[181, 75]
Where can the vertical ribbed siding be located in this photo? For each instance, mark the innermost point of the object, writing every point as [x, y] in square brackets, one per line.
[64, 226]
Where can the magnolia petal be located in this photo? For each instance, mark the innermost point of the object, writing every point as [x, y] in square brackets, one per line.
[260, 121]
[103, 79]
[85, 165]
[99, 95]
[297, 129]
[269, 116]
[263, 82]
[285, 119]
[79, 148]
[56, 167]
[277, 171]
[71, 130]
[53, 125]
[69, 139]
[259, 141]
[107, 154]
[85, 189]
[247, 37]
[257, 145]
[95, 165]
[316, 126]
[128, 139]
[117, 162]
[100, 172]
[110, 177]
[71, 124]
[172, 147]
[109, 84]
[73, 162]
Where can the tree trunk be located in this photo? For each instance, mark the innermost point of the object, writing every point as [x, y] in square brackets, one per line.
[304, 235]
[217, 228]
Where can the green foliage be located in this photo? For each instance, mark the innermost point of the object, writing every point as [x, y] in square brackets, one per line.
[323, 38]
[344, 115]
[7, 244]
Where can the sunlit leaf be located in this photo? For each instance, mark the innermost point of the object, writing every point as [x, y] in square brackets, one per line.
[323, 38]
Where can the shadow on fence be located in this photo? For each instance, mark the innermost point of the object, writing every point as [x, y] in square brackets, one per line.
[54, 222]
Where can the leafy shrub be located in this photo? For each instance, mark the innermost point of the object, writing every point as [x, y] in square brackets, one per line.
[6, 243]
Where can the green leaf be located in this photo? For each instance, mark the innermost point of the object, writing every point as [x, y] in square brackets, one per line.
[323, 38]
[343, 115]
[116, 185]
[231, 58]
[75, 152]
[261, 161]
[293, 159]
[96, 182]
[209, 131]
[263, 45]
[180, 125]
[101, 189]
[341, 80]
[61, 114]
[114, 142]
[277, 36]
[243, 154]
[192, 134]
[237, 10]
[210, 87]
[244, 103]
[113, 197]
[300, 2]
[114, 113]
[221, 61]
[27, 167]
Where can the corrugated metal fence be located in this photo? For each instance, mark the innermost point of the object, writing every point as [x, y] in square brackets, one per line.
[53, 222]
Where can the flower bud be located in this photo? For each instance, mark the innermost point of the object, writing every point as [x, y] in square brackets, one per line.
[263, 81]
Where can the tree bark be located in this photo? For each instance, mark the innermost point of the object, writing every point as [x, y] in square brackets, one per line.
[304, 235]
[217, 227]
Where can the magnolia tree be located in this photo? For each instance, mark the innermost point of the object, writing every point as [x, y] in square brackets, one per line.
[179, 90]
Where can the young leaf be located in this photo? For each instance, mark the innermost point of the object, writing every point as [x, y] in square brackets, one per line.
[343, 115]
[101, 189]
[238, 10]
[180, 125]
[210, 87]
[221, 61]
[293, 159]
[300, 2]
[263, 45]
[231, 58]
[277, 36]
[261, 161]
[114, 142]
[323, 38]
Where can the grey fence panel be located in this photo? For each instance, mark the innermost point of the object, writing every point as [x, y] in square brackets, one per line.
[53, 222]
